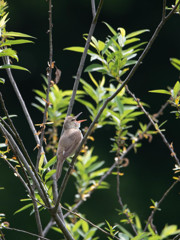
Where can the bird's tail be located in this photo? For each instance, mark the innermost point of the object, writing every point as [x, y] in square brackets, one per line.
[59, 168]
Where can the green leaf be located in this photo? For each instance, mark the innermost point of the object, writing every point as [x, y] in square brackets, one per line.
[160, 91]
[95, 67]
[15, 42]
[110, 28]
[77, 49]
[119, 105]
[13, 67]
[175, 62]
[176, 89]
[85, 226]
[16, 34]
[24, 208]
[95, 166]
[133, 34]
[168, 231]
[50, 162]
[77, 225]
[8, 52]
[49, 174]
[98, 173]
[2, 80]
[41, 162]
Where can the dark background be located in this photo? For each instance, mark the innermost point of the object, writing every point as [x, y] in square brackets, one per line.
[150, 171]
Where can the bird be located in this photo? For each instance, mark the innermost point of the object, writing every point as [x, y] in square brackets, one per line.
[69, 141]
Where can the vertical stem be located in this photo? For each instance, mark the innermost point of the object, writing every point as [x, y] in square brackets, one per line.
[49, 75]
[83, 58]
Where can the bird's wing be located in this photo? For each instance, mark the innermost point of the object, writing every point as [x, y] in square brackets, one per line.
[69, 143]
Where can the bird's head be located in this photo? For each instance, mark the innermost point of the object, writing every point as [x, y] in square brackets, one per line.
[71, 122]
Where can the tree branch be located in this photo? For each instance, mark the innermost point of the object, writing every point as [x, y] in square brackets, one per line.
[49, 76]
[90, 223]
[158, 204]
[125, 82]
[83, 58]
[121, 158]
[93, 6]
[26, 232]
[173, 154]
[21, 158]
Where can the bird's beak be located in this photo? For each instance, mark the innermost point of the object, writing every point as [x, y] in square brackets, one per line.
[79, 121]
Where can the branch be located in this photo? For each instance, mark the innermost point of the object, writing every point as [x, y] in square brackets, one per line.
[158, 204]
[160, 112]
[122, 205]
[48, 227]
[90, 223]
[30, 189]
[21, 158]
[61, 225]
[22, 231]
[125, 82]
[83, 58]
[173, 154]
[23, 105]
[49, 75]
[93, 6]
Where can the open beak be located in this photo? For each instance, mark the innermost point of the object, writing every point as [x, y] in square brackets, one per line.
[79, 121]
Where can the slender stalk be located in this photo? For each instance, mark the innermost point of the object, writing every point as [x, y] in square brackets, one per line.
[48, 227]
[83, 58]
[90, 223]
[173, 154]
[21, 158]
[93, 6]
[49, 76]
[121, 203]
[125, 82]
[26, 232]
[158, 204]
[61, 225]
[23, 105]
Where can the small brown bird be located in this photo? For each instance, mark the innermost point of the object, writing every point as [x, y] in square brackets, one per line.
[69, 141]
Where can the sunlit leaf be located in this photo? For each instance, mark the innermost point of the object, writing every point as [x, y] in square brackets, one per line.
[50, 162]
[16, 34]
[15, 42]
[13, 67]
[24, 208]
[49, 174]
[160, 91]
[133, 34]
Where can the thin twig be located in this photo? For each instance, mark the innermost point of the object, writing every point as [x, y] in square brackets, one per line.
[23, 105]
[121, 203]
[125, 82]
[114, 165]
[26, 232]
[158, 204]
[48, 227]
[61, 225]
[173, 154]
[21, 158]
[49, 76]
[93, 7]
[83, 58]
[164, 9]
[30, 190]
[90, 223]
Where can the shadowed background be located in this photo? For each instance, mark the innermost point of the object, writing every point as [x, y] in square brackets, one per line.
[150, 171]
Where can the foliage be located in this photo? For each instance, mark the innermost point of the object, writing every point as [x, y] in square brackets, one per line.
[115, 55]
[110, 61]
[173, 92]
